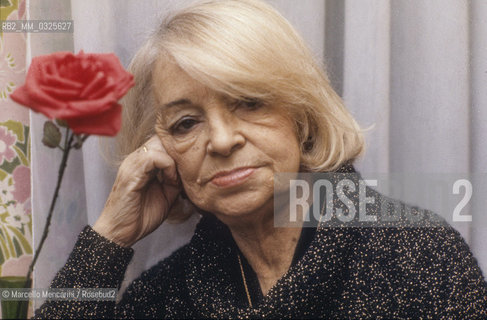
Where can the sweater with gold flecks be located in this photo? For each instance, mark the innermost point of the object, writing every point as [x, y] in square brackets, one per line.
[338, 272]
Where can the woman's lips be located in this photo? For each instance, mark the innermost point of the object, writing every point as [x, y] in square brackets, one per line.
[232, 178]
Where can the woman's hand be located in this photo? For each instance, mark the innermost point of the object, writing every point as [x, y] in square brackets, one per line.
[146, 186]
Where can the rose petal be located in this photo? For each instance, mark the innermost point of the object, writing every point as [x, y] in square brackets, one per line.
[113, 68]
[106, 123]
[110, 62]
[32, 86]
[56, 56]
[104, 90]
[50, 68]
[22, 96]
[46, 104]
[83, 108]
[56, 80]
[98, 81]
[124, 85]
[60, 93]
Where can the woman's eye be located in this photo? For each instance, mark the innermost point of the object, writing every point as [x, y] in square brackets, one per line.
[250, 104]
[184, 125]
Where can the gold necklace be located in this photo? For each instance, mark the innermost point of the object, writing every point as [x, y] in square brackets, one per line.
[244, 281]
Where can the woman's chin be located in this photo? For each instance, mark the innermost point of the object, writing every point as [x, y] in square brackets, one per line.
[242, 208]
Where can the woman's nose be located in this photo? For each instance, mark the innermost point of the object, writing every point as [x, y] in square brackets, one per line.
[225, 135]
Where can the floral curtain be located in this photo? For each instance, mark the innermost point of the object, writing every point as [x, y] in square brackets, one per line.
[15, 200]
[15, 193]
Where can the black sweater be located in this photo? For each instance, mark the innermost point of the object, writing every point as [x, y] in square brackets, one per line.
[351, 272]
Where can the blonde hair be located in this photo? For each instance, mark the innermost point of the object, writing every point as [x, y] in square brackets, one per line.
[245, 49]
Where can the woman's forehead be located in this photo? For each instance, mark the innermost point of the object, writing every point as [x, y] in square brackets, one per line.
[171, 83]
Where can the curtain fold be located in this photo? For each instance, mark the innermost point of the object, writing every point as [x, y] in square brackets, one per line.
[366, 76]
[478, 120]
[70, 213]
[415, 71]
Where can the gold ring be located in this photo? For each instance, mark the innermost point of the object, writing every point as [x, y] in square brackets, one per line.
[145, 148]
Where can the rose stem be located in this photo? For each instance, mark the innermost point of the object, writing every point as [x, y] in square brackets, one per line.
[62, 167]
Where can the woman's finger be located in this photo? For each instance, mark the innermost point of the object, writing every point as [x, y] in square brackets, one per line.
[160, 160]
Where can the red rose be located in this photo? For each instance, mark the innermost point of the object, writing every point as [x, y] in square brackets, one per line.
[81, 89]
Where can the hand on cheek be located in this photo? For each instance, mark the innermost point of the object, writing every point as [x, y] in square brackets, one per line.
[146, 186]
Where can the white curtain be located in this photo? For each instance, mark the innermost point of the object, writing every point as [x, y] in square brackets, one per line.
[415, 69]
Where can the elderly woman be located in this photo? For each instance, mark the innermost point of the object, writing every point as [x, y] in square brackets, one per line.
[227, 96]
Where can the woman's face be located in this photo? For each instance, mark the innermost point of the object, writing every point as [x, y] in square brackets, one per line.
[226, 151]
